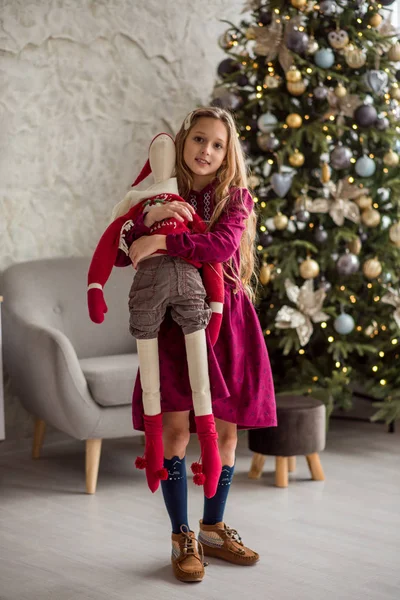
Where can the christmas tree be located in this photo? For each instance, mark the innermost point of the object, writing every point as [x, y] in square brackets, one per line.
[314, 89]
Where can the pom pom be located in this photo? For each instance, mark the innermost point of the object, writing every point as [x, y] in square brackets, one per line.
[196, 468]
[140, 462]
[199, 479]
[163, 474]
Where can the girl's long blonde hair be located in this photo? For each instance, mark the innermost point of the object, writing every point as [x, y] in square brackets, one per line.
[232, 173]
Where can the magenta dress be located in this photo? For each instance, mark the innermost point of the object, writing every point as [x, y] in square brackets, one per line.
[242, 387]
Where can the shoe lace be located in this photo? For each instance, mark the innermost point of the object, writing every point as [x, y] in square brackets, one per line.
[189, 546]
[233, 535]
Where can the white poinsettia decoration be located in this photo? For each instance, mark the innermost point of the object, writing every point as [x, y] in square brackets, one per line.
[393, 298]
[309, 310]
[340, 205]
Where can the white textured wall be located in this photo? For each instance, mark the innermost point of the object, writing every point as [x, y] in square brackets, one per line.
[85, 85]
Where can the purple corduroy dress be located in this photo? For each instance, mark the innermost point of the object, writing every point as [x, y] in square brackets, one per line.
[240, 375]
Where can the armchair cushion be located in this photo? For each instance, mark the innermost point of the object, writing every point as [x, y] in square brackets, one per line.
[111, 378]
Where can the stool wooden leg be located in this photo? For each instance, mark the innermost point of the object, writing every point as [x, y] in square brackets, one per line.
[314, 464]
[256, 466]
[281, 471]
[38, 437]
[292, 464]
[93, 451]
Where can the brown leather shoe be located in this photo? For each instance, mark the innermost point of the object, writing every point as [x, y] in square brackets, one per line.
[220, 541]
[187, 563]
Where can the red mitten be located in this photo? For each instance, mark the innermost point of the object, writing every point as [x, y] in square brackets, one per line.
[97, 305]
[210, 458]
[154, 452]
[214, 327]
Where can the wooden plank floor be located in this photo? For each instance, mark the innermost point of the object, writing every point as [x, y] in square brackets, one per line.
[332, 540]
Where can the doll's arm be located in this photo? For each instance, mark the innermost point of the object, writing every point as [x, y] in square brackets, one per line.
[102, 263]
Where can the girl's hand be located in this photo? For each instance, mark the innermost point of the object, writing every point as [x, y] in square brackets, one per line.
[169, 210]
[145, 246]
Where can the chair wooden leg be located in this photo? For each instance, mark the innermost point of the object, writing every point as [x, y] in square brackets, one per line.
[256, 466]
[38, 437]
[281, 471]
[93, 451]
[314, 464]
[292, 464]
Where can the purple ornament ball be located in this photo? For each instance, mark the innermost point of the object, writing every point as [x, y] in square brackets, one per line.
[365, 115]
[227, 67]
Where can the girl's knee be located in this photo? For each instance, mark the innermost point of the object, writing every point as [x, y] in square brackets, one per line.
[227, 441]
[176, 435]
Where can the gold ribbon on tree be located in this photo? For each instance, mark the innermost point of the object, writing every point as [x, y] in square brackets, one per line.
[309, 310]
[271, 41]
[344, 107]
[341, 206]
[393, 298]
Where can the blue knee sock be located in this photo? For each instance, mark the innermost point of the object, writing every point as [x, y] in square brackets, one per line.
[174, 490]
[214, 507]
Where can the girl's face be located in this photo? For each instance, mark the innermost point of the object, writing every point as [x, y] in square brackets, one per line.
[205, 150]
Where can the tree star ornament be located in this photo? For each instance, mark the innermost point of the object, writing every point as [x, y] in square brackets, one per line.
[341, 206]
[309, 310]
[393, 298]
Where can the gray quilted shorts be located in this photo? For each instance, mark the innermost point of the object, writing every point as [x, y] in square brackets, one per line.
[163, 282]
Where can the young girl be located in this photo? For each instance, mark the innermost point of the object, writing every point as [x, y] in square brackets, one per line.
[212, 178]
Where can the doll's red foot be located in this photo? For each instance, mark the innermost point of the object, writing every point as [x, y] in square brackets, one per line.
[211, 460]
[154, 451]
[97, 305]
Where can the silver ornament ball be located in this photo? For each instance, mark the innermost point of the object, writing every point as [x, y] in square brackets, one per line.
[348, 264]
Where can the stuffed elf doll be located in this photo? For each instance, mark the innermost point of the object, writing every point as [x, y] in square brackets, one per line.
[161, 163]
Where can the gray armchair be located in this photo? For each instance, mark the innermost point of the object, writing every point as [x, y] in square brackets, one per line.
[67, 371]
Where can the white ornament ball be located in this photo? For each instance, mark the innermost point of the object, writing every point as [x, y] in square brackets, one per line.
[344, 324]
[365, 166]
[267, 122]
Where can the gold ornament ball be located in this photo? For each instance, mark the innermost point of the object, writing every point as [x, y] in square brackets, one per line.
[296, 88]
[355, 246]
[299, 4]
[309, 269]
[375, 20]
[391, 159]
[293, 75]
[394, 234]
[281, 221]
[294, 120]
[296, 159]
[395, 93]
[372, 268]
[355, 57]
[364, 202]
[340, 91]
[265, 273]
[394, 52]
[371, 217]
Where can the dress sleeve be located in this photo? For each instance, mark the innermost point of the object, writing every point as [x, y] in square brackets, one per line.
[221, 243]
[129, 234]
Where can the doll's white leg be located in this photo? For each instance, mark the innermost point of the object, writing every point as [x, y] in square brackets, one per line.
[149, 375]
[150, 380]
[196, 351]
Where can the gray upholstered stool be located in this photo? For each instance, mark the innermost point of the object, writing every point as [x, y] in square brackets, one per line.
[300, 432]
